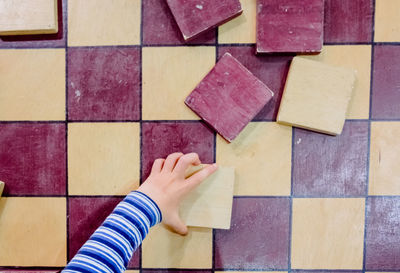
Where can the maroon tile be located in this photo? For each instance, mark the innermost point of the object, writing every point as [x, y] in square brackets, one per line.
[229, 97]
[104, 83]
[386, 82]
[383, 234]
[85, 216]
[196, 17]
[27, 271]
[290, 25]
[258, 238]
[348, 21]
[32, 158]
[330, 166]
[160, 139]
[270, 69]
[160, 28]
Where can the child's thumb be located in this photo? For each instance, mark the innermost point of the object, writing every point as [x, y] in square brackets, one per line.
[177, 225]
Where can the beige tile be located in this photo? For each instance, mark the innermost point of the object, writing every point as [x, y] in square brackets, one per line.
[132, 271]
[356, 57]
[32, 231]
[103, 22]
[387, 23]
[164, 249]
[32, 84]
[242, 29]
[328, 233]
[261, 155]
[1, 188]
[103, 158]
[169, 75]
[384, 172]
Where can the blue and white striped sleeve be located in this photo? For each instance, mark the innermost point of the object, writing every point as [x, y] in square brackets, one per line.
[111, 246]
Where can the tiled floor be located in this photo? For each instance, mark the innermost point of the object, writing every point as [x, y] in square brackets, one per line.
[83, 113]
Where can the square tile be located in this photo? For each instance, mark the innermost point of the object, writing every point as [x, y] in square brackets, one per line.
[289, 26]
[331, 166]
[387, 25]
[159, 139]
[258, 238]
[229, 97]
[102, 152]
[175, 271]
[104, 83]
[316, 96]
[41, 93]
[348, 21]
[163, 68]
[103, 22]
[85, 216]
[383, 234]
[165, 249]
[328, 233]
[385, 84]
[261, 156]
[27, 271]
[43, 225]
[356, 57]
[384, 174]
[241, 29]
[32, 159]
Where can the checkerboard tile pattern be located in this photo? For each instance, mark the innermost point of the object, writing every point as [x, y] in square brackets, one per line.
[84, 112]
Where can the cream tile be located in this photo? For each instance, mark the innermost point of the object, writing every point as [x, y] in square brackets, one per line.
[261, 155]
[103, 22]
[387, 23]
[32, 84]
[328, 233]
[169, 75]
[132, 271]
[103, 158]
[32, 231]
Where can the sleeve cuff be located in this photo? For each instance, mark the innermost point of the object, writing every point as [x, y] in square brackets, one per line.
[148, 206]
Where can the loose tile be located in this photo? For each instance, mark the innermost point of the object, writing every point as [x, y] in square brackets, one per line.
[43, 225]
[104, 83]
[387, 25]
[229, 97]
[41, 93]
[328, 233]
[103, 158]
[261, 156]
[258, 238]
[289, 25]
[32, 159]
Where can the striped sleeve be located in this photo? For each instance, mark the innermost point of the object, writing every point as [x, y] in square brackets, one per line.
[111, 246]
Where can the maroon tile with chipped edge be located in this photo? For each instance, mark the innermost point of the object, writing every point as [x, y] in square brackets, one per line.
[160, 139]
[197, 17]
[383, 234]
[290, 25]
[86, 214]
[348, 21]
[32, 159]
[229, 97]
[104, 83]
[258, 238]
[331, 166]
[270, 69]
[386, 82]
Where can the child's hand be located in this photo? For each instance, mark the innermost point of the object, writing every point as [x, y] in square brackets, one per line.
[167, 186]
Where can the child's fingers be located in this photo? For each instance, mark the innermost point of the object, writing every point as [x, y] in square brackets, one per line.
[185, 161]
[197, 178]
[157, 165]
[170, 162]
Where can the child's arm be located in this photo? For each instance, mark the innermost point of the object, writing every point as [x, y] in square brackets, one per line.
[111, 246]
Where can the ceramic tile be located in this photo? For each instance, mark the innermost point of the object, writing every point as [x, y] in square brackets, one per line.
[174, 270]
[289, 25]
[102, 152]
[27, 271]
[384, 175]
[242, 248]
[103, 22]
[163, 68]
[104, 83]
[261, 156]
[44, 225]
[385, 84]
[328, 233]
[32, 158]
[387, 25]
[41, 93]
[229, 97]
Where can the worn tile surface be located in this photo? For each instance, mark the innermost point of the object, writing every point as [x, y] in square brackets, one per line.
[387, 24]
